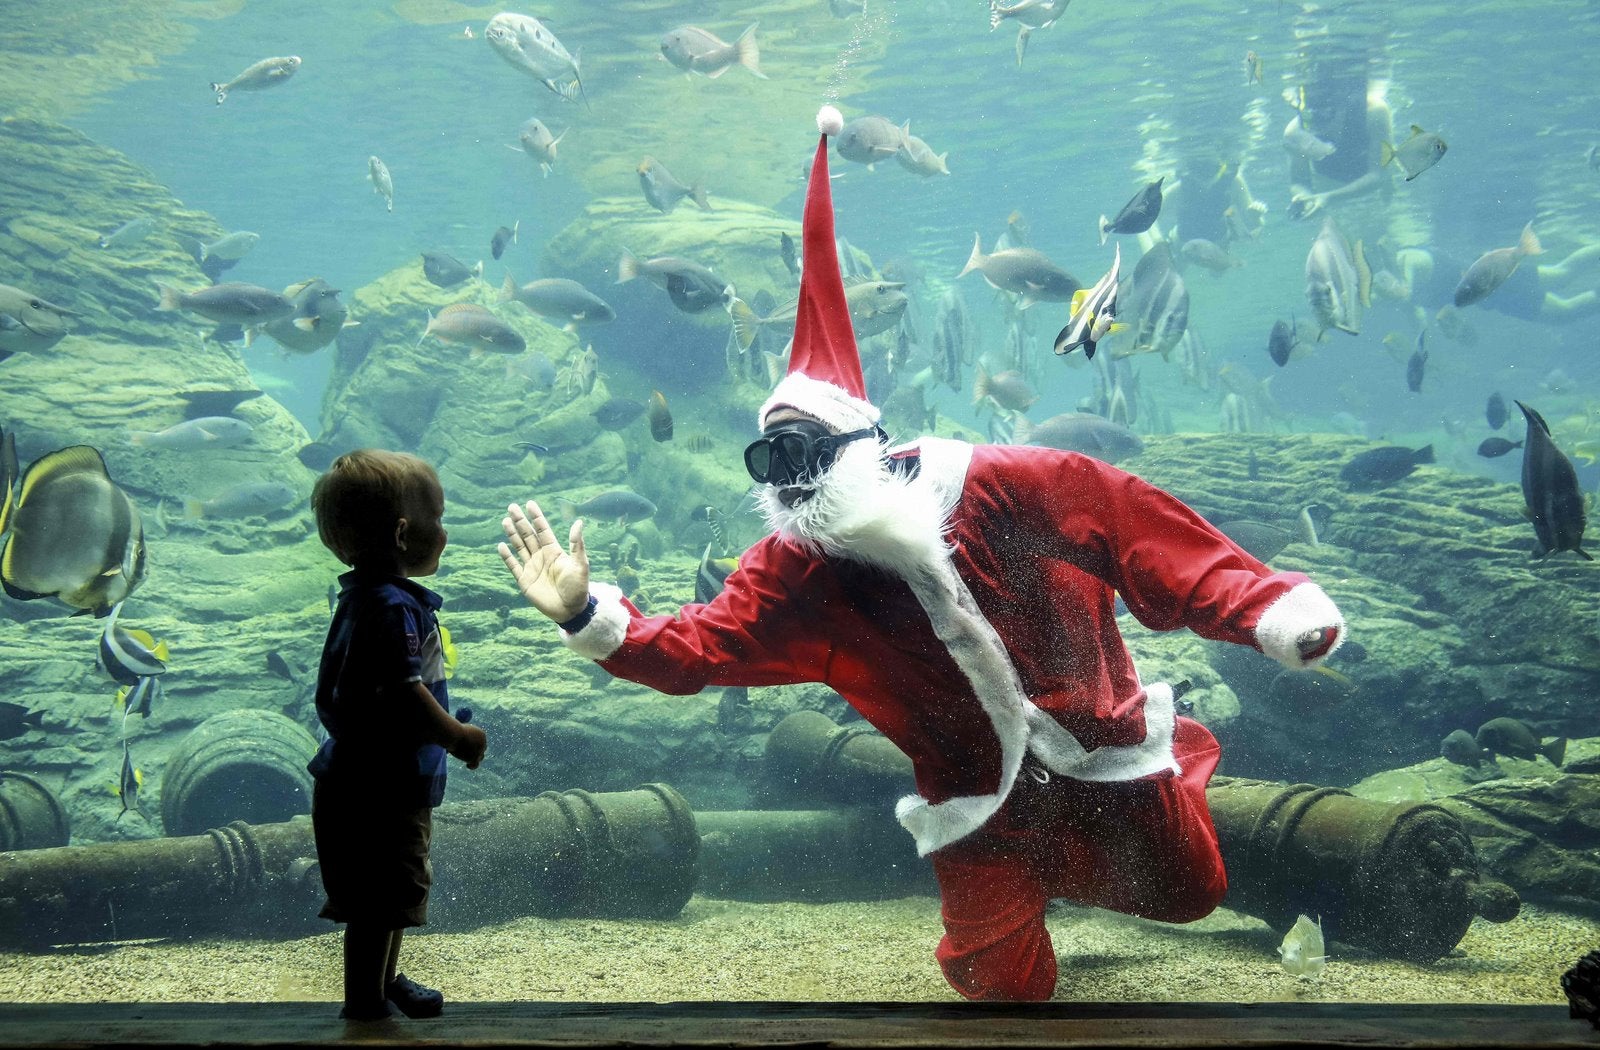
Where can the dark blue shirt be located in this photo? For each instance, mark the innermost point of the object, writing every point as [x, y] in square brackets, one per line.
[384, 636]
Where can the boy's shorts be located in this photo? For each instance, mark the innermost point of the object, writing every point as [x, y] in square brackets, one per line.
[373, 857]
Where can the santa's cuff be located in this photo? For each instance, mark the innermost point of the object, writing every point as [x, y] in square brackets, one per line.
[1303, 608]
[607, 627]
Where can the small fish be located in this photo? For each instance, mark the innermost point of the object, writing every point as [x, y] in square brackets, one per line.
[1208, 254]
[698, 443]
[16, 720]
[1252, 68]
[128, 656]
[209, 432]
[1494, 410]
[1515, 738]
[559, 299]
[279, 665]
[691, 287]
[1009, 389]
[447, 271]
[660, 417]
[712, 574]
[1136, 216]
[621, 505]
[129, 781]
[503, 236]
[260, 76]
[242, 500]
[1495, 447]
[537, 142]
[1459, 747]
[382, 182]
[534, 367]
[663, 191]
[790, 257]
[229, 248]
[1303, 145]
[1378, 467]
[526, 44]
[129, 232]
[1303, 952]
[1555, 502]
[1492, 268]
[618, 413]
[140, 698]
[1029, 15]
[530, 446]
[694, 50]
[1093, 315]
[1416, 366]
[471, 325]
[1281, 342]
[713, 519]
[1416, 154]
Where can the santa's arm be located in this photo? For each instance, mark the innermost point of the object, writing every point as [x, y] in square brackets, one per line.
[1174, 569]
[748, 635]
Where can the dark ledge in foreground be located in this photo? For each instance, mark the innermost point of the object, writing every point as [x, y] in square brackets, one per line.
[807, 1024]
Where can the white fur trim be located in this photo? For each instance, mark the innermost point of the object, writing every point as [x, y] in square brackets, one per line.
[1061, 753]
[603, 634]
[1304, 607]
[829, 120]
[821, 400]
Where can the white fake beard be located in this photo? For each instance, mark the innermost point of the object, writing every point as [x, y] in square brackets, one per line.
[862, 511]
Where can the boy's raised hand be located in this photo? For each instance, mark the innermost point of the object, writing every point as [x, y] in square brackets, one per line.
[555, 581]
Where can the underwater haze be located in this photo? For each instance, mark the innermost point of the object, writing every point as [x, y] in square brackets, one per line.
[1353, 326]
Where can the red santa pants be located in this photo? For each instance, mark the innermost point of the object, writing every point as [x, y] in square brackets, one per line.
[1142, 847]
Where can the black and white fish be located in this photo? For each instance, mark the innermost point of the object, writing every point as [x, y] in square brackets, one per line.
[1094, 313]
[140, 698]
[129, 655]
[1550, 487]
[129, 781]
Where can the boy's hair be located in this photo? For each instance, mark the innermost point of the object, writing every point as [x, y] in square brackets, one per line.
[363, 495]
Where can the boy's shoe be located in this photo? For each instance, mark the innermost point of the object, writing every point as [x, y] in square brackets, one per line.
[378, 1011]
[413, 999]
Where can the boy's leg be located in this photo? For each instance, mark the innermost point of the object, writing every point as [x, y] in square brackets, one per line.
[393, 964]
[366, 952]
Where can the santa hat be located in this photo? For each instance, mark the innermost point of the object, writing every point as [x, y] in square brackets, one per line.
[824, 379]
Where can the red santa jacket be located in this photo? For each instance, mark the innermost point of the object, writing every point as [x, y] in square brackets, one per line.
[1007, 645]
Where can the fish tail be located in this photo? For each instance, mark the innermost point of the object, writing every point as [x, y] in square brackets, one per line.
[508, 290]
[515, 226]
[1105, 229]
[975, 260]
[627, 267]
[980, 386]
[749, 52]
[745, 323]
[1386, 151]
[192, 509]
[697, 193]
[171, 298]
[1424, 454]
[1555, 750]
[1529, 242]
[222, 93]
[426, 329]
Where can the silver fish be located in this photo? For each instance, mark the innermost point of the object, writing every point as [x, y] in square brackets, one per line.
[382, 182]
[537, 142]
[316, 319]
[229, 247]
[1029, 15]
[1493, 267]
[1303, 951]
[229, 303]
[75, 535]
[247, 498]
[129, 232]
[691, 287]
[875, 306]
[264, 74]
[525, 44]
[1083, 432]
[1337, 281]
[917, 156]
[193, 434]
[694, 50]
[1302, 144]
[1416, 154]
[1158, 298]
[664, 191]
[34, 324]
[867, 140]
[559, 299]
[1022, 271]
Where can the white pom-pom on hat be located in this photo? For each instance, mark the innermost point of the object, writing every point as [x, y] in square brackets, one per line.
[829, 120]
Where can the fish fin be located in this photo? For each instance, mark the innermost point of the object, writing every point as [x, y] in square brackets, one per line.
[1077, 302]
[749, 52]
[423, 337]
[745, 323]
[161, 651]
[697, 193]
[8, 476]
[508, 290]
[1386, 151]
[975, 260]
[192, 509]
[7, 570]
[1555, 750]
[1105, 229]
[308, 324]
[171, 298]
[75, 459]
[627, 267]
[1528, 243]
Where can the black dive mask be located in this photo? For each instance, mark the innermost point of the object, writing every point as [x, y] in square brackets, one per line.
[799, 451]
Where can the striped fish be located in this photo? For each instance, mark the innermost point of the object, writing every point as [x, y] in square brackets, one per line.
[1338, 283]
[128, 656]
[1094, 314]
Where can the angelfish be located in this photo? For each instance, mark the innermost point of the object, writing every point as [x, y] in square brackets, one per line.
[1094, 313]
[1550, 487]
[1303, 951]
[1338, 283]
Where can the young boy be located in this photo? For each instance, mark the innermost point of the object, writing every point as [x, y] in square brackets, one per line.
[381, 696]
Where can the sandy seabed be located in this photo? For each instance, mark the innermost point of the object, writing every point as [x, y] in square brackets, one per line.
[873, 951]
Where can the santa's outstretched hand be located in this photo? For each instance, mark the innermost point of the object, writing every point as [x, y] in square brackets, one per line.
[555, 581]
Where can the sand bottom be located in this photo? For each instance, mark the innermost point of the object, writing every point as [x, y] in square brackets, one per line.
[873, 951]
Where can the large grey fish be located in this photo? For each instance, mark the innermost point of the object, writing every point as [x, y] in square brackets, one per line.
[447, 271]
[1416, 154]
[1550, 487]
[537, 142]
[192, 434]
[1517, 739]
[1338, 282]
[316, 320]
[1378, 467]
[1136, 216]
[242, 500]
[1082, 432]
[1493, 267]
[664, 191]
[559, 299]
[525, 44]
[230, 247]
[249, 305]
[691, 287]
[133, 230]
[1209, 254]
[1459, 747]
[694, 50]
[875, 306]
[867, 140]
[1158, 300]
[1094, 313]
[618, 504]
[264, 74]
[1022, 271]
[75, 535]
[1029, 15]
[382, 181]
[474, 326]
[29, 323]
